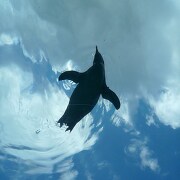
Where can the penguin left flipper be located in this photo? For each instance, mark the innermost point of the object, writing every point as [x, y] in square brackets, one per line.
[71, 75]
[111, 96]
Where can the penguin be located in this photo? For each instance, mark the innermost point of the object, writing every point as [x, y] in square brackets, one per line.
[90, 85]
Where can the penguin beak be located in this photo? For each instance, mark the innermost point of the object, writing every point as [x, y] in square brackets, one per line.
[98, 57]
[96, 49]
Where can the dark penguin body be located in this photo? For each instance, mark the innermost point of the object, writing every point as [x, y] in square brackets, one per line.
[91, 84]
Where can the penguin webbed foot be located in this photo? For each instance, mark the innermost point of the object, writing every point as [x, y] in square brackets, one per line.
[60, 123]
[69, 128]
[69, 125]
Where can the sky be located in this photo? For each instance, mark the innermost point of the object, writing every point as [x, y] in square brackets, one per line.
[140, 43]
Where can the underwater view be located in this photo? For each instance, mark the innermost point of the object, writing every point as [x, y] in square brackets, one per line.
[89, 89]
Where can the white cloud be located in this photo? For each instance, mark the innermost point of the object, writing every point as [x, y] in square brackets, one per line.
[147, 160]
[23, 112]
[139, 42]
[6, 39]
[139, 149]
[150, 120]
[122, 115]
[70, 175]
[136, 39]
[167, 106]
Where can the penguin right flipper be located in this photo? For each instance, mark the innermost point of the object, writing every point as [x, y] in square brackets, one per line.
[71, 75]
[111, 96]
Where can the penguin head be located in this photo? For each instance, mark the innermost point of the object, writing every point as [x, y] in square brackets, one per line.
[98, 58]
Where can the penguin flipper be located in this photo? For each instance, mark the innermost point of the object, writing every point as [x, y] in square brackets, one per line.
[71, 75]
[111, 96]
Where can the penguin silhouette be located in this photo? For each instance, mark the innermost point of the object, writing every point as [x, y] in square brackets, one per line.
[90, 85]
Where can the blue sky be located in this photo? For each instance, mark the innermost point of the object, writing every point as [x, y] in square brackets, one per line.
[139, 41]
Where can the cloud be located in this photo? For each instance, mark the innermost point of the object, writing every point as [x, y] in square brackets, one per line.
[30, 105]
[139, 42]
[140, 151]
[136, 39]
[150, 120]
[147, 160]
[166, 106]
[122, 116]
[66, 170]
[69, 175]
[5, 39]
